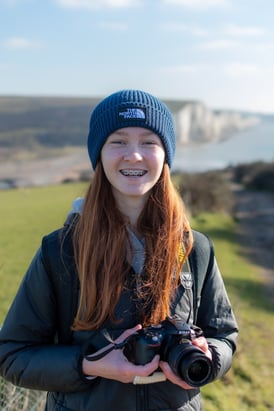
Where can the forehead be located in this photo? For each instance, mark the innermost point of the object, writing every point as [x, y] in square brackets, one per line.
[135, 131]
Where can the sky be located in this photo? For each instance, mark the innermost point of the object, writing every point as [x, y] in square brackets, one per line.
[219, 52]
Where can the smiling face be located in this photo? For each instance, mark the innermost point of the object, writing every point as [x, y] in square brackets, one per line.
[132, 159]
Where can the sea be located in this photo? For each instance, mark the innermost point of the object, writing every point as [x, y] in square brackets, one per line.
[252, 144]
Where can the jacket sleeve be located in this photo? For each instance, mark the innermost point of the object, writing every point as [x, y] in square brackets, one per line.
[29, 356]
[216, 318]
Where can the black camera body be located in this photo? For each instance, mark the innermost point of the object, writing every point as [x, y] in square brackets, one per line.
[172, 340]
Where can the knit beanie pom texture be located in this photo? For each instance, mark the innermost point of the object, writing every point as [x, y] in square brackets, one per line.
[130, 108]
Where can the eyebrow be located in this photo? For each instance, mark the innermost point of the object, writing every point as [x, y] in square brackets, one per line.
[145, 133]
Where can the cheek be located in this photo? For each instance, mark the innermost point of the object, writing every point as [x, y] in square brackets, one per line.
[108, 170]
[107, 160]
[106, 167]
[159, 163]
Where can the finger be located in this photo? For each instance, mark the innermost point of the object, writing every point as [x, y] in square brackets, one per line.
[145, 370]
[201, 342]
[173, 377]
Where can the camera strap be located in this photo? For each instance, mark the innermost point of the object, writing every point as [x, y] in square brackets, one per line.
[157, 376]
[104, 351]
[186, 277]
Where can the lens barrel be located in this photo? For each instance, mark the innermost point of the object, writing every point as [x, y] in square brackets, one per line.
[190, 364]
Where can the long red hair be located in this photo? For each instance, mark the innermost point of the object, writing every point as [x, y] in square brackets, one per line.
[100, 246]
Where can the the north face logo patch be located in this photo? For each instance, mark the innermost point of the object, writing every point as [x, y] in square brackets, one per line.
[132, 113]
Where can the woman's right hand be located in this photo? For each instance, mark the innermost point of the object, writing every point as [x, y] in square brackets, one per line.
[115, 366]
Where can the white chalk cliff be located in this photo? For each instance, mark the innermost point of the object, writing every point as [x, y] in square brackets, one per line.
[195, 123]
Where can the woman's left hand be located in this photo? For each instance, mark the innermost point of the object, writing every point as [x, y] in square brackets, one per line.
[201, 343]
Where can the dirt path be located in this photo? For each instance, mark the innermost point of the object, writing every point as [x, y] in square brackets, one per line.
[255, 215]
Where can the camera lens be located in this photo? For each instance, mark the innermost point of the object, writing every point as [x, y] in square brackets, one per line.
[199, 372]
[190, 364]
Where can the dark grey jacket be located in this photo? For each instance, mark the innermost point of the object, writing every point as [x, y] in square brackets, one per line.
[38, 350]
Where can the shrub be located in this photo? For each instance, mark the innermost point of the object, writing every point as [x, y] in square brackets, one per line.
[264, 180]
[256, 176]
[208, 191]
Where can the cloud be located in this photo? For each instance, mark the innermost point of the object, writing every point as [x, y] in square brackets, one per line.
[198, 4]
[183, 68]
[235, 37]
[190, 29]
[248, 71]
[20, 43]
[231, 70]
[219, 45]
[254, 48]
[242, 70]
[263, 47]
[244, 31]
[92, 4]
[113, 26]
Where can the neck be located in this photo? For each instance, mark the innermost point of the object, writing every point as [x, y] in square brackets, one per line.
[131, 208]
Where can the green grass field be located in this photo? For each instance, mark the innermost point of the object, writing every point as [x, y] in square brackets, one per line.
[28, 214]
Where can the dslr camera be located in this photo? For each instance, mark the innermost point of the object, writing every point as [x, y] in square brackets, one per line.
[172, 340]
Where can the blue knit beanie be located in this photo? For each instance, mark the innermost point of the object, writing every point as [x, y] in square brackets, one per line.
[130, 108]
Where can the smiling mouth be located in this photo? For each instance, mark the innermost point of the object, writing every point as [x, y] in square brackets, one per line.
[133, 173]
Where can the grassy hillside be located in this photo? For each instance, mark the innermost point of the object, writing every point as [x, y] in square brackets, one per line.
[248, 386]
[38, 126]
[28, 214]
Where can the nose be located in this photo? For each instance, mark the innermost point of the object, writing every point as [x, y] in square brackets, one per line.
[133, 153]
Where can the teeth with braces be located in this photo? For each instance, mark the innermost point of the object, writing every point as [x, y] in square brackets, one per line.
[133, 172]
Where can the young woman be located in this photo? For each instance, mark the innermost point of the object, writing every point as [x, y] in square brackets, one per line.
[125, 278]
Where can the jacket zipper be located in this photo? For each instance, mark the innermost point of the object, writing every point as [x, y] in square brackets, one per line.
[142, 398]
